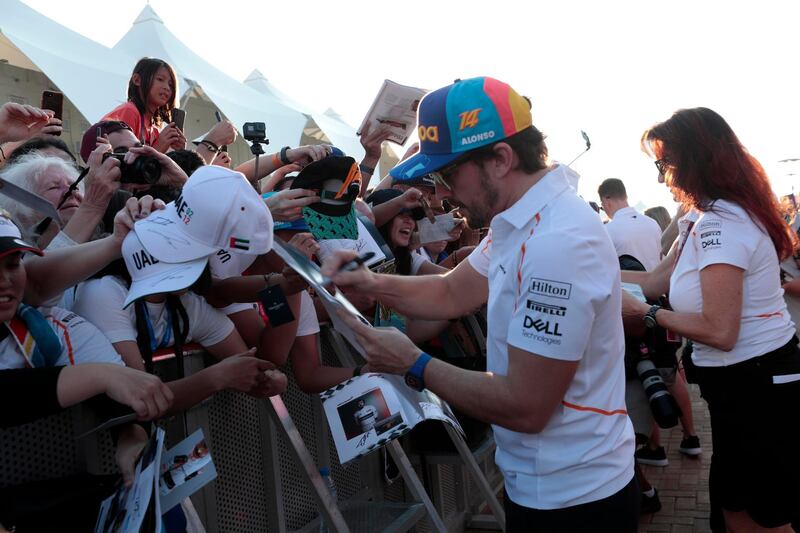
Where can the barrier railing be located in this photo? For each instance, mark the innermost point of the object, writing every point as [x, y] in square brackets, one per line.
[261, 485]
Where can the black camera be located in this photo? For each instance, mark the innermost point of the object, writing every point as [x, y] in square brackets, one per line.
[145, 170]
[665, 409]
[255, 132]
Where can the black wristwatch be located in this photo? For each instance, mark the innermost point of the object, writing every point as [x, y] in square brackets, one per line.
[650, 316]
[283, 156]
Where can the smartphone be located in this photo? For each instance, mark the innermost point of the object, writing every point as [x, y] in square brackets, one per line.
[54, 101]
[178, 117]
[224, 147]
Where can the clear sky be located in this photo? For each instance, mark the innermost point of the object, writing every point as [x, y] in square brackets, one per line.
[609, 68]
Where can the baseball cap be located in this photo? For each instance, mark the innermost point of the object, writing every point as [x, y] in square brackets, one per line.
[337, 179]
[217, 209]
[461, 117]
[151, 276]
[11, 239]
[89, 140]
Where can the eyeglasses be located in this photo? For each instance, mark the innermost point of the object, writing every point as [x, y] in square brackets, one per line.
[441, 176]
[662, 165]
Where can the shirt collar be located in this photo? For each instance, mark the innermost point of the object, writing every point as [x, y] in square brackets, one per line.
[626, 211]
[537, 197]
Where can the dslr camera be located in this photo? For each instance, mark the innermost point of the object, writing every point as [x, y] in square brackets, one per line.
[145, 170]
[255, 132]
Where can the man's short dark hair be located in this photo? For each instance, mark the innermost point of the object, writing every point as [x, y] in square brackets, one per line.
[188, 160]
[529, 146]
[612, 188]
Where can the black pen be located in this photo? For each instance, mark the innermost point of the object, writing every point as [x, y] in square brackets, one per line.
[349, 266]
[355, 263]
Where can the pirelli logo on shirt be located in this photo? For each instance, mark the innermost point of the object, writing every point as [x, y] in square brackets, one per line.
[551, 288]
[555, 310]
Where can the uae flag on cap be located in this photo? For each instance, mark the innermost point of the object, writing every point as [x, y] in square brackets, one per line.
[239, 244]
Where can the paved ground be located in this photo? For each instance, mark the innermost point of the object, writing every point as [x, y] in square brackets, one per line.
[683, 485]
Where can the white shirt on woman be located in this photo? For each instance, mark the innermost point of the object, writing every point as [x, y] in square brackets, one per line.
[727, 235]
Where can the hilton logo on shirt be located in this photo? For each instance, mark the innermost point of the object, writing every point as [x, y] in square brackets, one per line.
[553, 289]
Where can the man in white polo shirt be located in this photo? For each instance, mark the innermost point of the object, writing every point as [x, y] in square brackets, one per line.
[631, 232]
[555, 385]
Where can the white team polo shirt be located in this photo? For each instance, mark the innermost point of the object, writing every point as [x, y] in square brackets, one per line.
[727, 235]
[637, 235]
[554, 290]
[81, 342]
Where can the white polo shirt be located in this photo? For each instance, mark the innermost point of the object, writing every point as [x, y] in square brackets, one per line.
[727, 235]
[81, 342]
[554, 291]
[101, 300]
[636, 235]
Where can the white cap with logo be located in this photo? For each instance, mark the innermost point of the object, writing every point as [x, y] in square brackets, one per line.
[217, 209]
[151, 276]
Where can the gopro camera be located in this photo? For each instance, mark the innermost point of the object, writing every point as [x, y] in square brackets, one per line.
[255, 132]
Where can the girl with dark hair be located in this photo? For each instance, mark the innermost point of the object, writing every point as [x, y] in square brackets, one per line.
[723, 280]
[152, 95]
[397, 232]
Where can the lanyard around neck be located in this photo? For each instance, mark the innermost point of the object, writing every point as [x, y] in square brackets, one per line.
[166, 338]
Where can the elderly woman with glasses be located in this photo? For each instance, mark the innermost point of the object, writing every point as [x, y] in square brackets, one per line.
[723, 281]
[52, 177]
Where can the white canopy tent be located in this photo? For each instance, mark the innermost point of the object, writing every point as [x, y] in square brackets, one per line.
[148, 36]
[91, 75]
[95, 77]
[337, 132]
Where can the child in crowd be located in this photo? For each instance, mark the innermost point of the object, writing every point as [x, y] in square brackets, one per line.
[152, 95]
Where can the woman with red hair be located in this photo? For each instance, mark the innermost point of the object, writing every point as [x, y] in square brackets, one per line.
[723, 280]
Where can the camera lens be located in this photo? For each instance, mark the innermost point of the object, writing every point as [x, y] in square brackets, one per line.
[665, 410]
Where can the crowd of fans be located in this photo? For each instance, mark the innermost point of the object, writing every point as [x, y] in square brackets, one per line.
[160, 244]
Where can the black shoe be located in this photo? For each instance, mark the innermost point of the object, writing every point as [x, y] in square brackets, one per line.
[648, 456]
[650, 504]
[690, 446]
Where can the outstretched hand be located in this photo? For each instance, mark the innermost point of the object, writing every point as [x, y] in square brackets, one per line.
[17, 121]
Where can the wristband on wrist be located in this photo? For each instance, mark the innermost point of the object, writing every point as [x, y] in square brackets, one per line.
[284, 158]
[276, 161]
[366, 170]
[414, 378]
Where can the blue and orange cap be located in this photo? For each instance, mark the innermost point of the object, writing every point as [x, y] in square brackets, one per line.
[461, 117]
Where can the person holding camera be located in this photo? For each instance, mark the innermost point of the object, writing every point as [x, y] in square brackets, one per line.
[555, 386]
[723, 280]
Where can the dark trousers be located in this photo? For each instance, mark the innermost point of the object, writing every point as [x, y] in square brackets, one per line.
[618, 513]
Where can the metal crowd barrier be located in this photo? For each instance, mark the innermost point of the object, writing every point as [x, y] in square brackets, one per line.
[260, 487]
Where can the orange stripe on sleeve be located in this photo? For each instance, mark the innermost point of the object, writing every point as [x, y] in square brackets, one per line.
[594, 409]
[66, 338]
